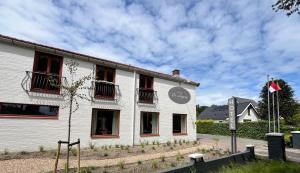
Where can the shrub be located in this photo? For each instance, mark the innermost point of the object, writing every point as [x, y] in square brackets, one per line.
[6, 152]
[91, 145]
[23, 152]
[168, 143]
[105, 154]
[121, 164]
[253, 130]
[179, 156]
[173, 164]
[287, 140]
[154, 164]
[74, 151]
[153, 148]
[162, 158]
[139, 162]
[41, 148]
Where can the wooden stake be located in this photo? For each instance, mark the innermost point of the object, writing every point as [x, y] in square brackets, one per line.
[57, 156]
[78, 155]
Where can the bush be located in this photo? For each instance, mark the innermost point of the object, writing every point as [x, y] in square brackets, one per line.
[253, 130]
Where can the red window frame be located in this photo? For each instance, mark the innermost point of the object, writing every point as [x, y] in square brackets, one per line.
[94, 136]
[145, 134]
[106, 70]
[25, 116]
[148, 79]
[50, 57]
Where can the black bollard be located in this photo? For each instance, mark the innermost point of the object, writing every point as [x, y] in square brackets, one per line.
[296, 139]
[276, 146]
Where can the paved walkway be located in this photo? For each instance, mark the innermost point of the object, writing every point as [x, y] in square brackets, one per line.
[44, 165]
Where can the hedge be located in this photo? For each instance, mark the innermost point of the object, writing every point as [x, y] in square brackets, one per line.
[253, 130]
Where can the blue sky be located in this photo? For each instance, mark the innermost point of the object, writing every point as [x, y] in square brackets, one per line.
[227, 46]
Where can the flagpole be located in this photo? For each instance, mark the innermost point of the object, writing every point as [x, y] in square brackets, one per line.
[278, 118]
[269, 116]
[274, 120]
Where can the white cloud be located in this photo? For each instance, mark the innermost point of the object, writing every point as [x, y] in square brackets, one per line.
[227, 46]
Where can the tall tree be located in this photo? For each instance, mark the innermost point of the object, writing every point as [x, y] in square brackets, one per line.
[287, 103]
[288, 6]
[200, 109]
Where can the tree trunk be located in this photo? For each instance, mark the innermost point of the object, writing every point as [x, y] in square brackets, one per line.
[69, 132]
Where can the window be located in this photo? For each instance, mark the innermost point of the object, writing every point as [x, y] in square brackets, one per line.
[146, 92]
[179, 124]
[149, 124]
[16, 110]
[46, 67]
[249, 111]
[104, 86]
[105, 123]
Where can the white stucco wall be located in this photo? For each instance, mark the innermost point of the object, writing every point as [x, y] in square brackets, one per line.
[244, 116]
[17, 134]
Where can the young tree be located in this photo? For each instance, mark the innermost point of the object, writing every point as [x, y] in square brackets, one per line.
[289, 6]
[70, 92]
[287, 103]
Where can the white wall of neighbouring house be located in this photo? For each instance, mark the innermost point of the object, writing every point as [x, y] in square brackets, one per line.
[17, 134]
[244, 116]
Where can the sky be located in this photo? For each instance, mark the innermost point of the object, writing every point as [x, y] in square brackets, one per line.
[229, 47]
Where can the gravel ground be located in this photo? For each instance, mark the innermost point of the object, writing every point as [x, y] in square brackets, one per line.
[38, 165]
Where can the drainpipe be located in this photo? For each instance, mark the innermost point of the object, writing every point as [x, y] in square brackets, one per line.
[134, 108]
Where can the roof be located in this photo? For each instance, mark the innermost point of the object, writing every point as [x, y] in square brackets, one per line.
[221, 112]
[62, 52]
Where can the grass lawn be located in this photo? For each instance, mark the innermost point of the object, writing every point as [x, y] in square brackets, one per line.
[263, 166]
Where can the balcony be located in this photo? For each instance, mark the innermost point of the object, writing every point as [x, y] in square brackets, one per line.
[40, 82]
[104, 90]
[148, 96]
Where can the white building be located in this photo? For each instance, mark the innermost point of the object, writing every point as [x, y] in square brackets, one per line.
[246, 111]
[129, 104]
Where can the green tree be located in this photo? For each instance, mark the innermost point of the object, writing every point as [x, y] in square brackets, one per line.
[287, 103]
[288, 6]
[200, 109]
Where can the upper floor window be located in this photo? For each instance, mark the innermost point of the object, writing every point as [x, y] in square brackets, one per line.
[46, 67]
[146, 92]
[104, 84]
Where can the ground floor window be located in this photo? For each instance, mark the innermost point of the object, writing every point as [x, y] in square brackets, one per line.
[105, 123]
[149, 123]
[179, 124]
[18, 110]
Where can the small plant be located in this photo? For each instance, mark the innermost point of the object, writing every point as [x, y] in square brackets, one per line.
[162, 158]
[187, 142]
[153, 148]
[121, 164]
[74, 151]
[122, 147]
[175, 141]
[109, 146]
[180, 142]
[171, 148]
[127, 148]
[154, 164]
[117, 146]
[139, 162]
[172, 164]
[23, 152]
[147, 142]
[183, 141]
[157, 143]
[153, 142]
[168, 143]
[91, 145]
[194, 142]
[6, 152]
[142, 145]
[87, 169]
[143, 151]
[41, 148]
[179, 156]
[105, 154]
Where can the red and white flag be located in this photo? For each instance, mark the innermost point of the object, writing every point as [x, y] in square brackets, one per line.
[274, 87]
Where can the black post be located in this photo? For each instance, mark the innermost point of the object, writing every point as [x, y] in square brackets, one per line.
[251, 149]
[276, 146]
[296, 139]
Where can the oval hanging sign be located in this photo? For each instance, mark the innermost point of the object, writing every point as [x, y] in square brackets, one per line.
[179, 95]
